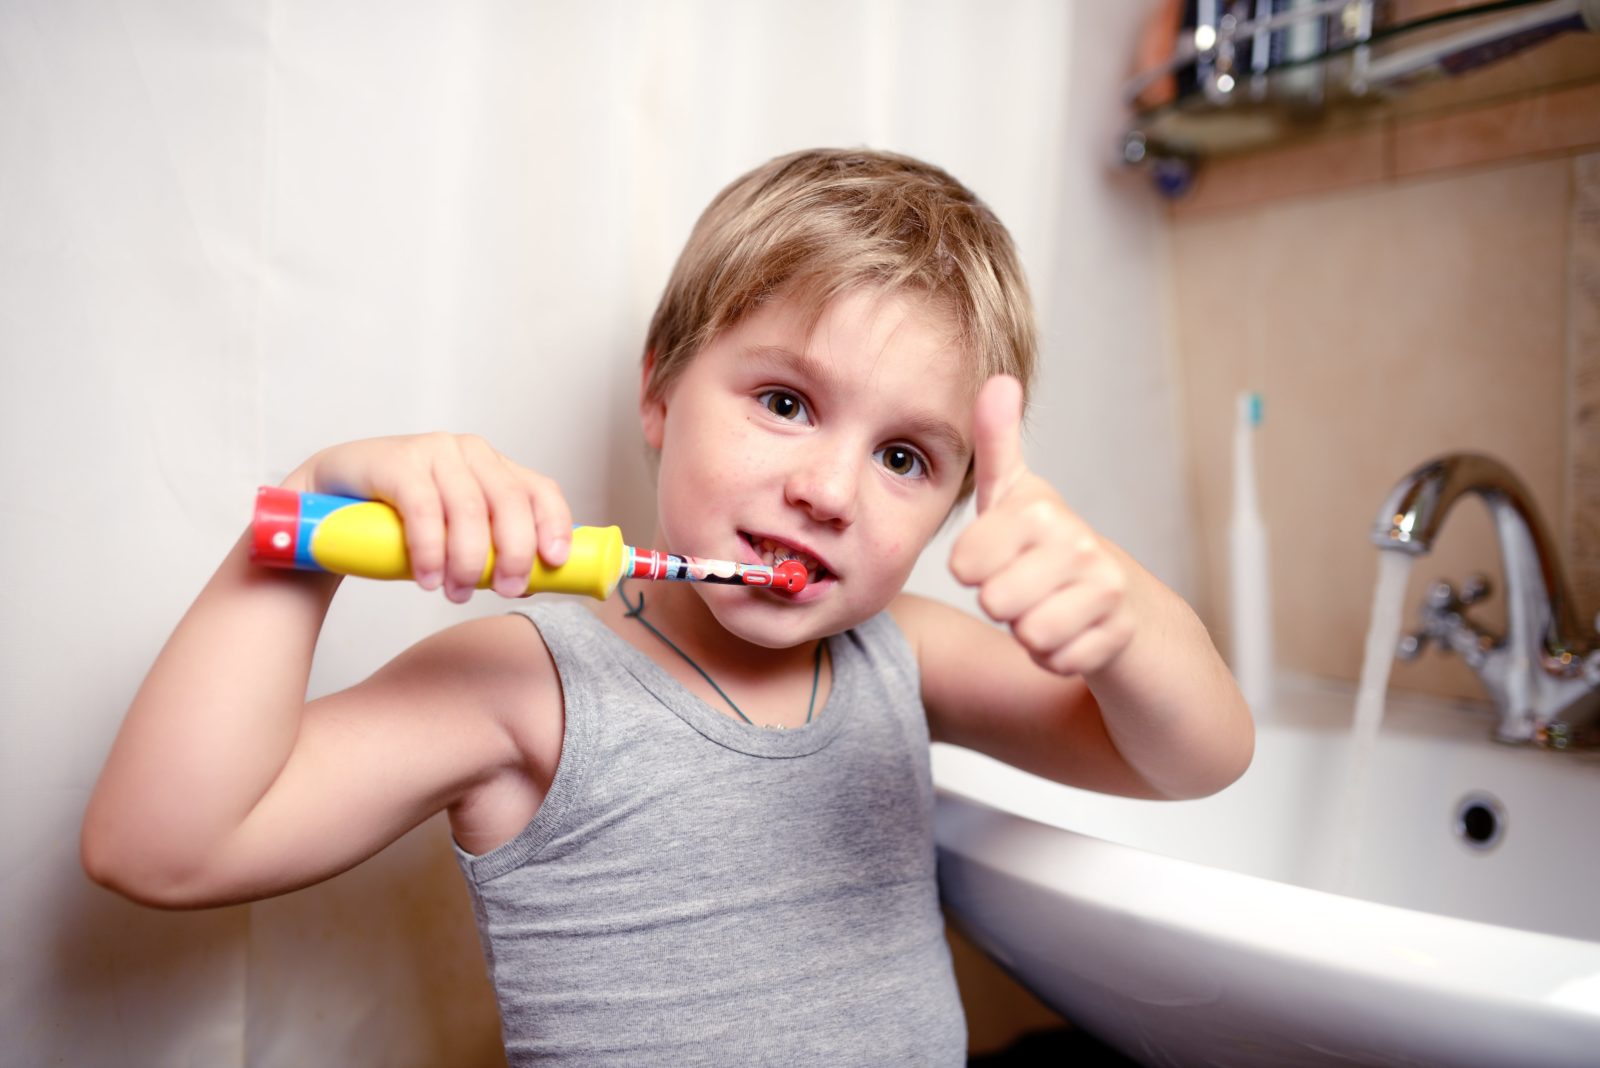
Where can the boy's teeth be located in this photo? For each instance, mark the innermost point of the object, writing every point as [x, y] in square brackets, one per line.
[772, 553]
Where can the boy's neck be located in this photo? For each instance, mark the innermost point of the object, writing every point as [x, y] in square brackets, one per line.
[769, 685]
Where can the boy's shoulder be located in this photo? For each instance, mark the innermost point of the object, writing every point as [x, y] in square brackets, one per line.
[496, 669]
[504, 646]
[475, 713]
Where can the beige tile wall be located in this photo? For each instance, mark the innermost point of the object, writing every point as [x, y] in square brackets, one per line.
[1384, 323]
[1583, 389]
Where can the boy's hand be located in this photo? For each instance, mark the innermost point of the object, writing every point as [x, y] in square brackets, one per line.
[457, 496]
[1037, 566]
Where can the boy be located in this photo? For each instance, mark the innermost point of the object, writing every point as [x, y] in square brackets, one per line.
[696, 823]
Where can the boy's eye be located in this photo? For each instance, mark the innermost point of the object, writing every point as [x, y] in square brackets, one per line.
[783, 404]
[903, 461]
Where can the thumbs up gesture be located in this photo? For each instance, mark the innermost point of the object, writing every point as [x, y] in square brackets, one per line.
[1038, 567]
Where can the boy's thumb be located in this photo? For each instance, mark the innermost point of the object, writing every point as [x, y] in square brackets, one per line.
[997, 439]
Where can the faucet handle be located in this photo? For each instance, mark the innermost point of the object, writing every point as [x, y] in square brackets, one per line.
[1444, 622]
[1443, 596]
[1410, 646]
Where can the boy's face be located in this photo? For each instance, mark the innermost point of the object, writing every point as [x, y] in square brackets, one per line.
[844, 445]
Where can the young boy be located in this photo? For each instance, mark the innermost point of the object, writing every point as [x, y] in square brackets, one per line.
[696, 822]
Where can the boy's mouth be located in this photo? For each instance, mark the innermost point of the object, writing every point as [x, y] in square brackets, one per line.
[771, 551]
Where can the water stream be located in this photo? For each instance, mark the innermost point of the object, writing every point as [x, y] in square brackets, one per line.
[1383, 633]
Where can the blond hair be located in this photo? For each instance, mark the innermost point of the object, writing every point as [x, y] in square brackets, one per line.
[815, 224]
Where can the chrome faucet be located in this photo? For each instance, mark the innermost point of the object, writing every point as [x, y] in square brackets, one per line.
[1542, 674]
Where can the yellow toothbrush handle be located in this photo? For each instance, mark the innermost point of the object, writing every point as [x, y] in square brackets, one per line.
[366, 539]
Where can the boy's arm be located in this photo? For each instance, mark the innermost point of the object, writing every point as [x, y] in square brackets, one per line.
[1106, 679]
[225, 785]
[1164, 721]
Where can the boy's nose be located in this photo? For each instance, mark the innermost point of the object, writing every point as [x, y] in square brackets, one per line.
[824, 483]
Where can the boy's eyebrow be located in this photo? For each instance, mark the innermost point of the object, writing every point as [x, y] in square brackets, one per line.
[801, 364]
[924, 425]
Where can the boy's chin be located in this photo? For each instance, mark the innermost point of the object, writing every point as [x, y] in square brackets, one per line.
[751, 616]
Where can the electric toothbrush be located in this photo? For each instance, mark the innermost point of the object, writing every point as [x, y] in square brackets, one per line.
[366, 539]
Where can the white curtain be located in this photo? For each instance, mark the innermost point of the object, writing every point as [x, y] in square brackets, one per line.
[235, 231]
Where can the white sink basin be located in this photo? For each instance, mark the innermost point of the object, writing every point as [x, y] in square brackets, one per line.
[1288, 921]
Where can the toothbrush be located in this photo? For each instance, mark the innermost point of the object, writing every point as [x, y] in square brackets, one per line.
[349, 536]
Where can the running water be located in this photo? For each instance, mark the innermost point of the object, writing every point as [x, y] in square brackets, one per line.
[1383, 634]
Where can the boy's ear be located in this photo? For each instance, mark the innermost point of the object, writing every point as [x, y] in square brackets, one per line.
[652, 410]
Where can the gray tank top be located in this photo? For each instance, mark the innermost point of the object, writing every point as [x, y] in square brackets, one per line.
[698, 891]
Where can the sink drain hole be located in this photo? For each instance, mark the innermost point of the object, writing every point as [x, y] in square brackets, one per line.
[1480, 821]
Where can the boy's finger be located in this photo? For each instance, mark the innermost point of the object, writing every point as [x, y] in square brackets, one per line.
[511, 528]
[987, 547]
[554, 519]
[997, 439]
[406, 483]
[1033, 576]
[466, 526]
[423, 514]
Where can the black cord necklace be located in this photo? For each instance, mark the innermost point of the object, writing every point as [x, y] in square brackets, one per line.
[636, 611]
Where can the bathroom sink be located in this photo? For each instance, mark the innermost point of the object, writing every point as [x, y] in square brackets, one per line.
[1430, 901]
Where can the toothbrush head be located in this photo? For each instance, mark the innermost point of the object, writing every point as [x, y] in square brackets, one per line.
[789, 575]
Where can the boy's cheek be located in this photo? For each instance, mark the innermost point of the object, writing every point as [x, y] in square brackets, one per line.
[891, 561]
[900, 552]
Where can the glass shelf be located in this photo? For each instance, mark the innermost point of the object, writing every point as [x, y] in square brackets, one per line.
[1326, 67]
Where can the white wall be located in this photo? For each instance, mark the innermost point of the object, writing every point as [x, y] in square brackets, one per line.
[233, 231]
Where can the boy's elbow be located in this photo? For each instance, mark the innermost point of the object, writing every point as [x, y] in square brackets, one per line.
[1227, 766]
[137, 874]
[1239, 757]
[111, 867]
